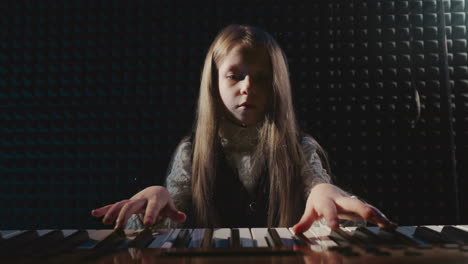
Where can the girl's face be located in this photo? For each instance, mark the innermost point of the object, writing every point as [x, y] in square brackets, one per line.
[244, 81]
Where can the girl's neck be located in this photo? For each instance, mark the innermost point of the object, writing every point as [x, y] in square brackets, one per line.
[236, 137]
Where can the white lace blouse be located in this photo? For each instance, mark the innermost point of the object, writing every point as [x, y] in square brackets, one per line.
[238, 144]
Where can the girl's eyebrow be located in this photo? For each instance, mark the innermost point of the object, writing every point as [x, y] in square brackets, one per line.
[233, 68]
[236, 68]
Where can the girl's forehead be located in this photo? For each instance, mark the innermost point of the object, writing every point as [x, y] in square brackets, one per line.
[244, 56]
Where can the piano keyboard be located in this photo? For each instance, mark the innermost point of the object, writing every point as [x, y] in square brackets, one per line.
[406, 244]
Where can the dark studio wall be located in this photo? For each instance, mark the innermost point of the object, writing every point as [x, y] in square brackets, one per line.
[95, 95]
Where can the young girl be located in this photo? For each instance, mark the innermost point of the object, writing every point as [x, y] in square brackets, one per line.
[246, 163]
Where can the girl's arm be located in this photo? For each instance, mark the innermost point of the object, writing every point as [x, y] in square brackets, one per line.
[313, 172]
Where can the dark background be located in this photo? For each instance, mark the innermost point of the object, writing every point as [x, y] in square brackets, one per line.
[95, 95]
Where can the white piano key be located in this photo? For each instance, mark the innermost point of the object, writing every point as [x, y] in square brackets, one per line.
[285, 236]
[308, 235]
[221, 237]
[259, 235]
[462, 227]
[246, 239]
[170, 239]
[315, 241]
[437, 228]
[43, 232]
[7, 234]
[349, 229]
[68, 232]
[322, 233]
[197, 238]
[160, 237]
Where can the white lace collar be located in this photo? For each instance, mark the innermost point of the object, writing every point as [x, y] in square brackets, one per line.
[238, 138]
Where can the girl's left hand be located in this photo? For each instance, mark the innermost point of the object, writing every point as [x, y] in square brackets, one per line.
[328, 201]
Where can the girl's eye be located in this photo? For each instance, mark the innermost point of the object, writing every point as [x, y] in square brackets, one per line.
[236, 77]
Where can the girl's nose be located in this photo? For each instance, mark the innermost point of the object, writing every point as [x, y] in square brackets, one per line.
[246, 87]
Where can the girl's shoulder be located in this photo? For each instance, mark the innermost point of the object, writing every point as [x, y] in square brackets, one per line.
[184, 149]
[309, 143]
[185, 144]
[181, 158]
[312, 149]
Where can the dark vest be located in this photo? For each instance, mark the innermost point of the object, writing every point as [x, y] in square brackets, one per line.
[234, 206]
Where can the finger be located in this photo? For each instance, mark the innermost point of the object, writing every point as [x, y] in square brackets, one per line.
[350, 217]
[381, 220]
[173, 213]
[368, 212]
[352, 205]
[307, 219]
[101, 211]
[327, 209]
[177, 216]
[113, 212]
[305, 222]
[127, 210]
[152, 212]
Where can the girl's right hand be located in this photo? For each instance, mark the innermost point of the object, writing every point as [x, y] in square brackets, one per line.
[155, 202]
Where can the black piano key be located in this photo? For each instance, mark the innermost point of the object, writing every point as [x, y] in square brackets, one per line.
[143, 239]
[455, 234]
[395, 237]
[113, 240]
[68, 243]
[208, 236]
[42, 242]
[361, 239]
[429, 235]
[366, 236]
[74, 240]
[235, 238]
[7, 245]
[340, 237]
[183, 238]
[274, 238]
[300, 240]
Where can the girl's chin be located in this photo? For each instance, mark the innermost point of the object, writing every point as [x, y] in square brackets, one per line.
[247, 122]
[243, 120]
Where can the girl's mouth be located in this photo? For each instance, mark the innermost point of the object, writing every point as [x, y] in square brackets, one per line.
[246, 105]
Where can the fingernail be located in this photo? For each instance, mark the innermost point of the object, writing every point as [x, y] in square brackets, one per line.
[333, 224]
[148, 221]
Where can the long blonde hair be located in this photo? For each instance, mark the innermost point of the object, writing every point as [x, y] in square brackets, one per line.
[278, 146]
